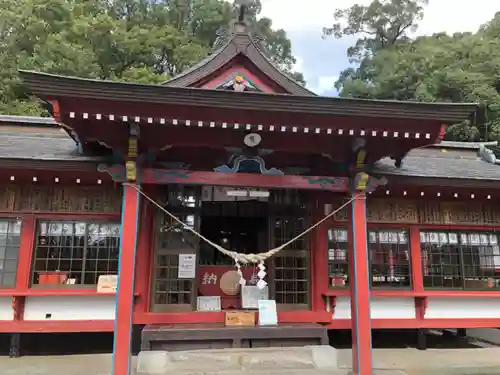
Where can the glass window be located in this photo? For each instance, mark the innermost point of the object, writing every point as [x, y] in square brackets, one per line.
[460, 259]
[338, 267]
[389, 257]
[75, 253]
[10, 241]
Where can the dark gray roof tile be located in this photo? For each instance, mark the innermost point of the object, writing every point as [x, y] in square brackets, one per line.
[464, 145]
[32, 120]
[440, 166]
[39, 145]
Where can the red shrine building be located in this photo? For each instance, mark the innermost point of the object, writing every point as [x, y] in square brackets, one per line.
[249, 159]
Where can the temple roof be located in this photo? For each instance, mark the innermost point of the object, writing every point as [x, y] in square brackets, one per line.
[53, 86]
[238, 41]
[36, 138]
[451, 160]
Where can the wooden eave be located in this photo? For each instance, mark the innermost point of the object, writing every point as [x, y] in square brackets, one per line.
[441, 182]
[244, 44]
[52, 165]
[54, 87]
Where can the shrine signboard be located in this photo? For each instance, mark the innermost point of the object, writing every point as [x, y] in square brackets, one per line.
[459, 213]
[79, 199]
[386, 210]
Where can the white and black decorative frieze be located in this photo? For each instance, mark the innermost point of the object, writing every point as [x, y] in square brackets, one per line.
[255, 128]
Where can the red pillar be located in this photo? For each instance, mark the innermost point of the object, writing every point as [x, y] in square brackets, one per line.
[28, 228]
[126, 273]
[417, 271]
[359, 281]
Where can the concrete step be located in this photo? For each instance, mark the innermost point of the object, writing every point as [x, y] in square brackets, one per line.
[294, 372]
[221, 361]
[489, 335]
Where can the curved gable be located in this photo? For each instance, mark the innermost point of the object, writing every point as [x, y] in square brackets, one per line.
[240, 42]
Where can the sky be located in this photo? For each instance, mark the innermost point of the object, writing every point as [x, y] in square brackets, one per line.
[321, 60]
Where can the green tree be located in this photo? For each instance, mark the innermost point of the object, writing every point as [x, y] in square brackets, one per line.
[381, 24]
[143, 41]
[464, 67]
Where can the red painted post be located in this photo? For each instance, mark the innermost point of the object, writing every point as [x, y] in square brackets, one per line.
[416, 260]
[28, 228]
[126, 272]
[359, 281]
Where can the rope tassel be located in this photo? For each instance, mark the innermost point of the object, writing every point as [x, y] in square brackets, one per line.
[239, 258]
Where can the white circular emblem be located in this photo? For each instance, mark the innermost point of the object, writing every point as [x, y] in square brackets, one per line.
[252, 139]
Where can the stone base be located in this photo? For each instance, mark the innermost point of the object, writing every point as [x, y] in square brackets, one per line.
[319, 357]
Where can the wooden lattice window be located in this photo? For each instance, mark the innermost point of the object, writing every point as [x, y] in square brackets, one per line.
[75, 253]
[10, 240]
[460, 259]
[169, 289]
[291, 216]
[170, 292]
[292, 280]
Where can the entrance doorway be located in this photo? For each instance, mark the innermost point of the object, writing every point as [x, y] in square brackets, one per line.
[241, 234]
[246, 225]
[241, 226]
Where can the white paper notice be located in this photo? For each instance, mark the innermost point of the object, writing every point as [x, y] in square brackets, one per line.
[208, 303]
[251, 294]
[187, 266]
[268, 315]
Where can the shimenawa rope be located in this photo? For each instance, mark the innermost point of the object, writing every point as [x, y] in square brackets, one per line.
[238, 257]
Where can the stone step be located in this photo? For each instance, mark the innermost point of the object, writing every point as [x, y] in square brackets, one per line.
[295, 372]
[220, 361]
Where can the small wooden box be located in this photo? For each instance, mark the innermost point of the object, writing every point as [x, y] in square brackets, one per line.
[52, 278]
[240, 319]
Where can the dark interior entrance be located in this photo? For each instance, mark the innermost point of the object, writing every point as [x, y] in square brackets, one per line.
[238, 226]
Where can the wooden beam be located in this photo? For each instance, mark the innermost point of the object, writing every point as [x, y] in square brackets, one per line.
[172, 176]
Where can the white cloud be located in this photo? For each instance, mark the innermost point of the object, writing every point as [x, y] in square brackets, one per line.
[291, 15]
[299, 64]
[440, 15]
[324, 84]
[322, 61]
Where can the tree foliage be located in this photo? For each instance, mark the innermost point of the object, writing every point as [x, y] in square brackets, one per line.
[143, 41]
[381, 24]
[464, 67]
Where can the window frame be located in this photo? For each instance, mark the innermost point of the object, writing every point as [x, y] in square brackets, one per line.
[371, 227]
[460, 255]
[407, 230]
[9, 219]
[99, 219]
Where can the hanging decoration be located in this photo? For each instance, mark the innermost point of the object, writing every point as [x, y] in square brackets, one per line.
[240, 258]
[130, 164]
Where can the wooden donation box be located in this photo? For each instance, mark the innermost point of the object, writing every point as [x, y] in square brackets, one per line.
[240, 319]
